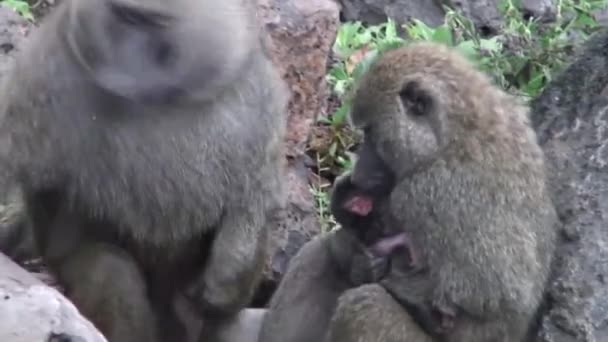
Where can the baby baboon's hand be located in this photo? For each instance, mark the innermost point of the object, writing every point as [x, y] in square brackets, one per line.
[366, 267]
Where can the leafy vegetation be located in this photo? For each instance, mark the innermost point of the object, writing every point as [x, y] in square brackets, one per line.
[521, 59]
[20, 6]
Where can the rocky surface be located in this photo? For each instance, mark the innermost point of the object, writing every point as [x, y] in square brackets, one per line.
[301, 34]
[32, 311]
[13, 30]
[376, 11]
[539, 8]
[571, 117]
[484, 13]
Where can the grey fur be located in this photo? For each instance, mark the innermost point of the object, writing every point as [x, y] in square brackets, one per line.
[179, 167]
[322, 270]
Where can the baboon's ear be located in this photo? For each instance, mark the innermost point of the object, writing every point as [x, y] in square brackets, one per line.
[416, 100]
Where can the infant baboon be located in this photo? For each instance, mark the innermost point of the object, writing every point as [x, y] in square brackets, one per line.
[471, 194]
[149, 155]
[301, 308]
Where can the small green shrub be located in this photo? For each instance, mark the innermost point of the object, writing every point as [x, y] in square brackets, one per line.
[20, 6]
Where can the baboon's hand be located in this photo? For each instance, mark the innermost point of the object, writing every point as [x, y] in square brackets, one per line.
[232, 271]
[401, 243]
[366, 267]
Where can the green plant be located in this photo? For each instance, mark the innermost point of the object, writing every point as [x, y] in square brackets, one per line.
[522, 59]
[20, 6]
[321, 197]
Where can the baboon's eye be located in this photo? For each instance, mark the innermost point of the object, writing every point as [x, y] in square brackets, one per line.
[415, 99]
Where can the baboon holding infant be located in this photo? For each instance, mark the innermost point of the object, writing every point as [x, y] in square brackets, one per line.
[330, 264]
[470, 195]
[146, 136]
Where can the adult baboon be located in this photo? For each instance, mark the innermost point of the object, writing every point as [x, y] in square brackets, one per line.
[146, 136]
[471, 195]
[327, 266]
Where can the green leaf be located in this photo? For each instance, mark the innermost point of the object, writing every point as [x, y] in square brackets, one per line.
[339, 116]
[391, 29]
[535, 84]
[332, 149]
[443, 35]
[491, 45]
[468, 49]
[585, 20]
[21, 7]
[419, 30]
[365, 63]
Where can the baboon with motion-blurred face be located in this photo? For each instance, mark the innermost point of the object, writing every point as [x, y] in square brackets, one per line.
[301, 308]
[471, 195]
[147, 139]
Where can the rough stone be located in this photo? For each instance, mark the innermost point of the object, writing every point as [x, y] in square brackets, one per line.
[32, 311]
[300, 36]
[376, 11]
[545, 9]
[302, 33]
[571, 117]
[13, 30]
[484, 14]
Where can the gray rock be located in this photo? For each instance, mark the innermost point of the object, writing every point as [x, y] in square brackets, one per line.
[13, 30]
[484, 14]
[34, 312]
[545, 9]
[376, 11]
[13, 241]
[571, 117]
[245, 328]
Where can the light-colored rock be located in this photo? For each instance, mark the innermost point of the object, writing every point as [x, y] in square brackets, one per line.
[376, 11]
[13, 30]
[245, 328]
[33, 312]
[571, 117]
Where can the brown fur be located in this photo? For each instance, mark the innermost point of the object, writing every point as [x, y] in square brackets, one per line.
[471, 193]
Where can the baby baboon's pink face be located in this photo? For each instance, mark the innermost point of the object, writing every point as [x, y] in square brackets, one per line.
[359, 205]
